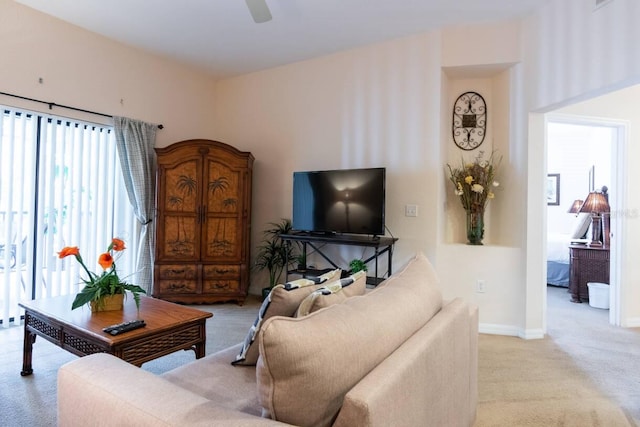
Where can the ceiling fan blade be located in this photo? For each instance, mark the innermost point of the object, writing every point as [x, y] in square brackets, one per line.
[259, 10]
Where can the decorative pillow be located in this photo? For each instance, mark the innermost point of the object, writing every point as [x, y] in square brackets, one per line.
[581, 225]
[333, 293]
[298, 356]
[283, 300]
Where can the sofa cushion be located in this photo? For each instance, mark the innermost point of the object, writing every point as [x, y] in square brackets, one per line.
[283, 300]
[229, 387]
[333, 293]
[297, 355]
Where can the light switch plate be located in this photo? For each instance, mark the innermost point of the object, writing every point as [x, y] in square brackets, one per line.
[411, 210]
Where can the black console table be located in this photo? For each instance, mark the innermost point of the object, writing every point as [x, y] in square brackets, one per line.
[381, 245]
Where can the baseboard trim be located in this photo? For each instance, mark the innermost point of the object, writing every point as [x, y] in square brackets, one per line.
[512, 331]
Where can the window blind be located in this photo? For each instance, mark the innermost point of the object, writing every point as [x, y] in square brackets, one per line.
[61, 185]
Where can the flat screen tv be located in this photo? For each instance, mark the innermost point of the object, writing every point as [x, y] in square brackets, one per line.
[349, 201]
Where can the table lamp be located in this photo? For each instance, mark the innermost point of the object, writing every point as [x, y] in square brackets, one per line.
[596, 204]
[575, 207]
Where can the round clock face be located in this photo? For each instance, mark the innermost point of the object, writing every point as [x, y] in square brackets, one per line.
[469, 121]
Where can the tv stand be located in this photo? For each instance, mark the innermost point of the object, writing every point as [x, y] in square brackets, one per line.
[381, 245]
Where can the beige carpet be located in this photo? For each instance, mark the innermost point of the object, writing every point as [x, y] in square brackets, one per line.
[585, 373]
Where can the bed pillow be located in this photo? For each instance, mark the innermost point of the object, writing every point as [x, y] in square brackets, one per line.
[333, 293]
[283, 300]
[581, 225]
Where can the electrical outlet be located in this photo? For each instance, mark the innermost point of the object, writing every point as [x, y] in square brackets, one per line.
[411, 210]
[481, 286]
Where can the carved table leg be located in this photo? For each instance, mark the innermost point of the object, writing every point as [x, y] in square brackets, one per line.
[199, 350]
[27, 351]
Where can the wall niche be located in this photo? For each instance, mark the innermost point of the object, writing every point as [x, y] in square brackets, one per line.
[493, 83]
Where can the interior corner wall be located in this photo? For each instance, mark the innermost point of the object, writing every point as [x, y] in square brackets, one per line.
[84, 70]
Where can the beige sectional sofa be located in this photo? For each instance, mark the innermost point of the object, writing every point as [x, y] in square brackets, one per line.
[396, 356]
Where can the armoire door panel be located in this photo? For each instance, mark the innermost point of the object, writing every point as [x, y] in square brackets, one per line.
[221, 241]
[183, 187]
[223, 186]
[181, 238]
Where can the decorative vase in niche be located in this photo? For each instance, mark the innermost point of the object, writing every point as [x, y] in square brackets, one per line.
[108, 303]
[475, 227]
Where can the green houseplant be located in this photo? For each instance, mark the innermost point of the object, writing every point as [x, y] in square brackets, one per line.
[357, 265]
[100, 287]
[273, 252]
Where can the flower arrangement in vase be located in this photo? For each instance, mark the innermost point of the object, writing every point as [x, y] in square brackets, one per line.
[100, 288]
[473, 183]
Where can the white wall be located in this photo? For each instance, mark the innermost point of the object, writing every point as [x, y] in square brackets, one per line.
[573, 53]
[389, 105]
[369, 107]
[87, 71]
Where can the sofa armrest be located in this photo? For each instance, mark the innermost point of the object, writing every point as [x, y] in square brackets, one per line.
[103, 390]
[427, 378]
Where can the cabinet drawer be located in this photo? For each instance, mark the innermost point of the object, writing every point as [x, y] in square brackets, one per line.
[220, 285]
[177, 286]
[177, 272]
[218, 271]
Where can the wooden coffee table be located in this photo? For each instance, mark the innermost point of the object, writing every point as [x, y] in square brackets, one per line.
[169, 327]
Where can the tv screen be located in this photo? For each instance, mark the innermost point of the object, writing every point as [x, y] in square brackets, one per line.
[348, 201]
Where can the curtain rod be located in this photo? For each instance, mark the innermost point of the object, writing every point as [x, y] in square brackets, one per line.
[53, 104]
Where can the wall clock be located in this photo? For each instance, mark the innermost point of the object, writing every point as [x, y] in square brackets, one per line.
[469, 121]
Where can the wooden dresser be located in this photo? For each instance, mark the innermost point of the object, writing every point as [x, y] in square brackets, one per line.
[587, 264]
[203, 222]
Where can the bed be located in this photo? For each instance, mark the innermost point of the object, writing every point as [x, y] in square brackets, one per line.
[558, 250]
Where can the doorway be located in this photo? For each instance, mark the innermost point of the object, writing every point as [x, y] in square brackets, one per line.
[580, 160]
[583, 155]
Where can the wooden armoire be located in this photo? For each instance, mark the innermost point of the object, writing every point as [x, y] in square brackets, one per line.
[203, 222]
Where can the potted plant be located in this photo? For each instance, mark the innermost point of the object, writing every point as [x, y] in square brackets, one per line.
[357, 265]
[273, 253]
[100, 289]
[301, 260]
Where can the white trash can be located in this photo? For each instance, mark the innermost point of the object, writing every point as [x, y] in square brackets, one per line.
[598, 295]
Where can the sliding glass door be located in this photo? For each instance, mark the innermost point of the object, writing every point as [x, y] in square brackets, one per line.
[60, 186]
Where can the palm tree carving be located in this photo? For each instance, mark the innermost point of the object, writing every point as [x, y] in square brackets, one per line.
[187, 186]
[221, 246]
[221, 184]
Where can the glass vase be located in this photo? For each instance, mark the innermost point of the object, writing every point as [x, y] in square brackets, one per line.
[475, 227]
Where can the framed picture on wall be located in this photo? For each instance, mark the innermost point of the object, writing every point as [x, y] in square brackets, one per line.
[553, 189]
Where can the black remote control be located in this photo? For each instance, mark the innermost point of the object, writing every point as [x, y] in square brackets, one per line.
[124, 327]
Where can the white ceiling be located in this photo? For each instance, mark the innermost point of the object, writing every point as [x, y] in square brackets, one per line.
[221, 37]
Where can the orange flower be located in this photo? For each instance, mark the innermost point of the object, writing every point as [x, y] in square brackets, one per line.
[68, 250]
[105, 260]
[117, 244]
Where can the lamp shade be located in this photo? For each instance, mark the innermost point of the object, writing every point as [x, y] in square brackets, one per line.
[596, 203]
[575, 207]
